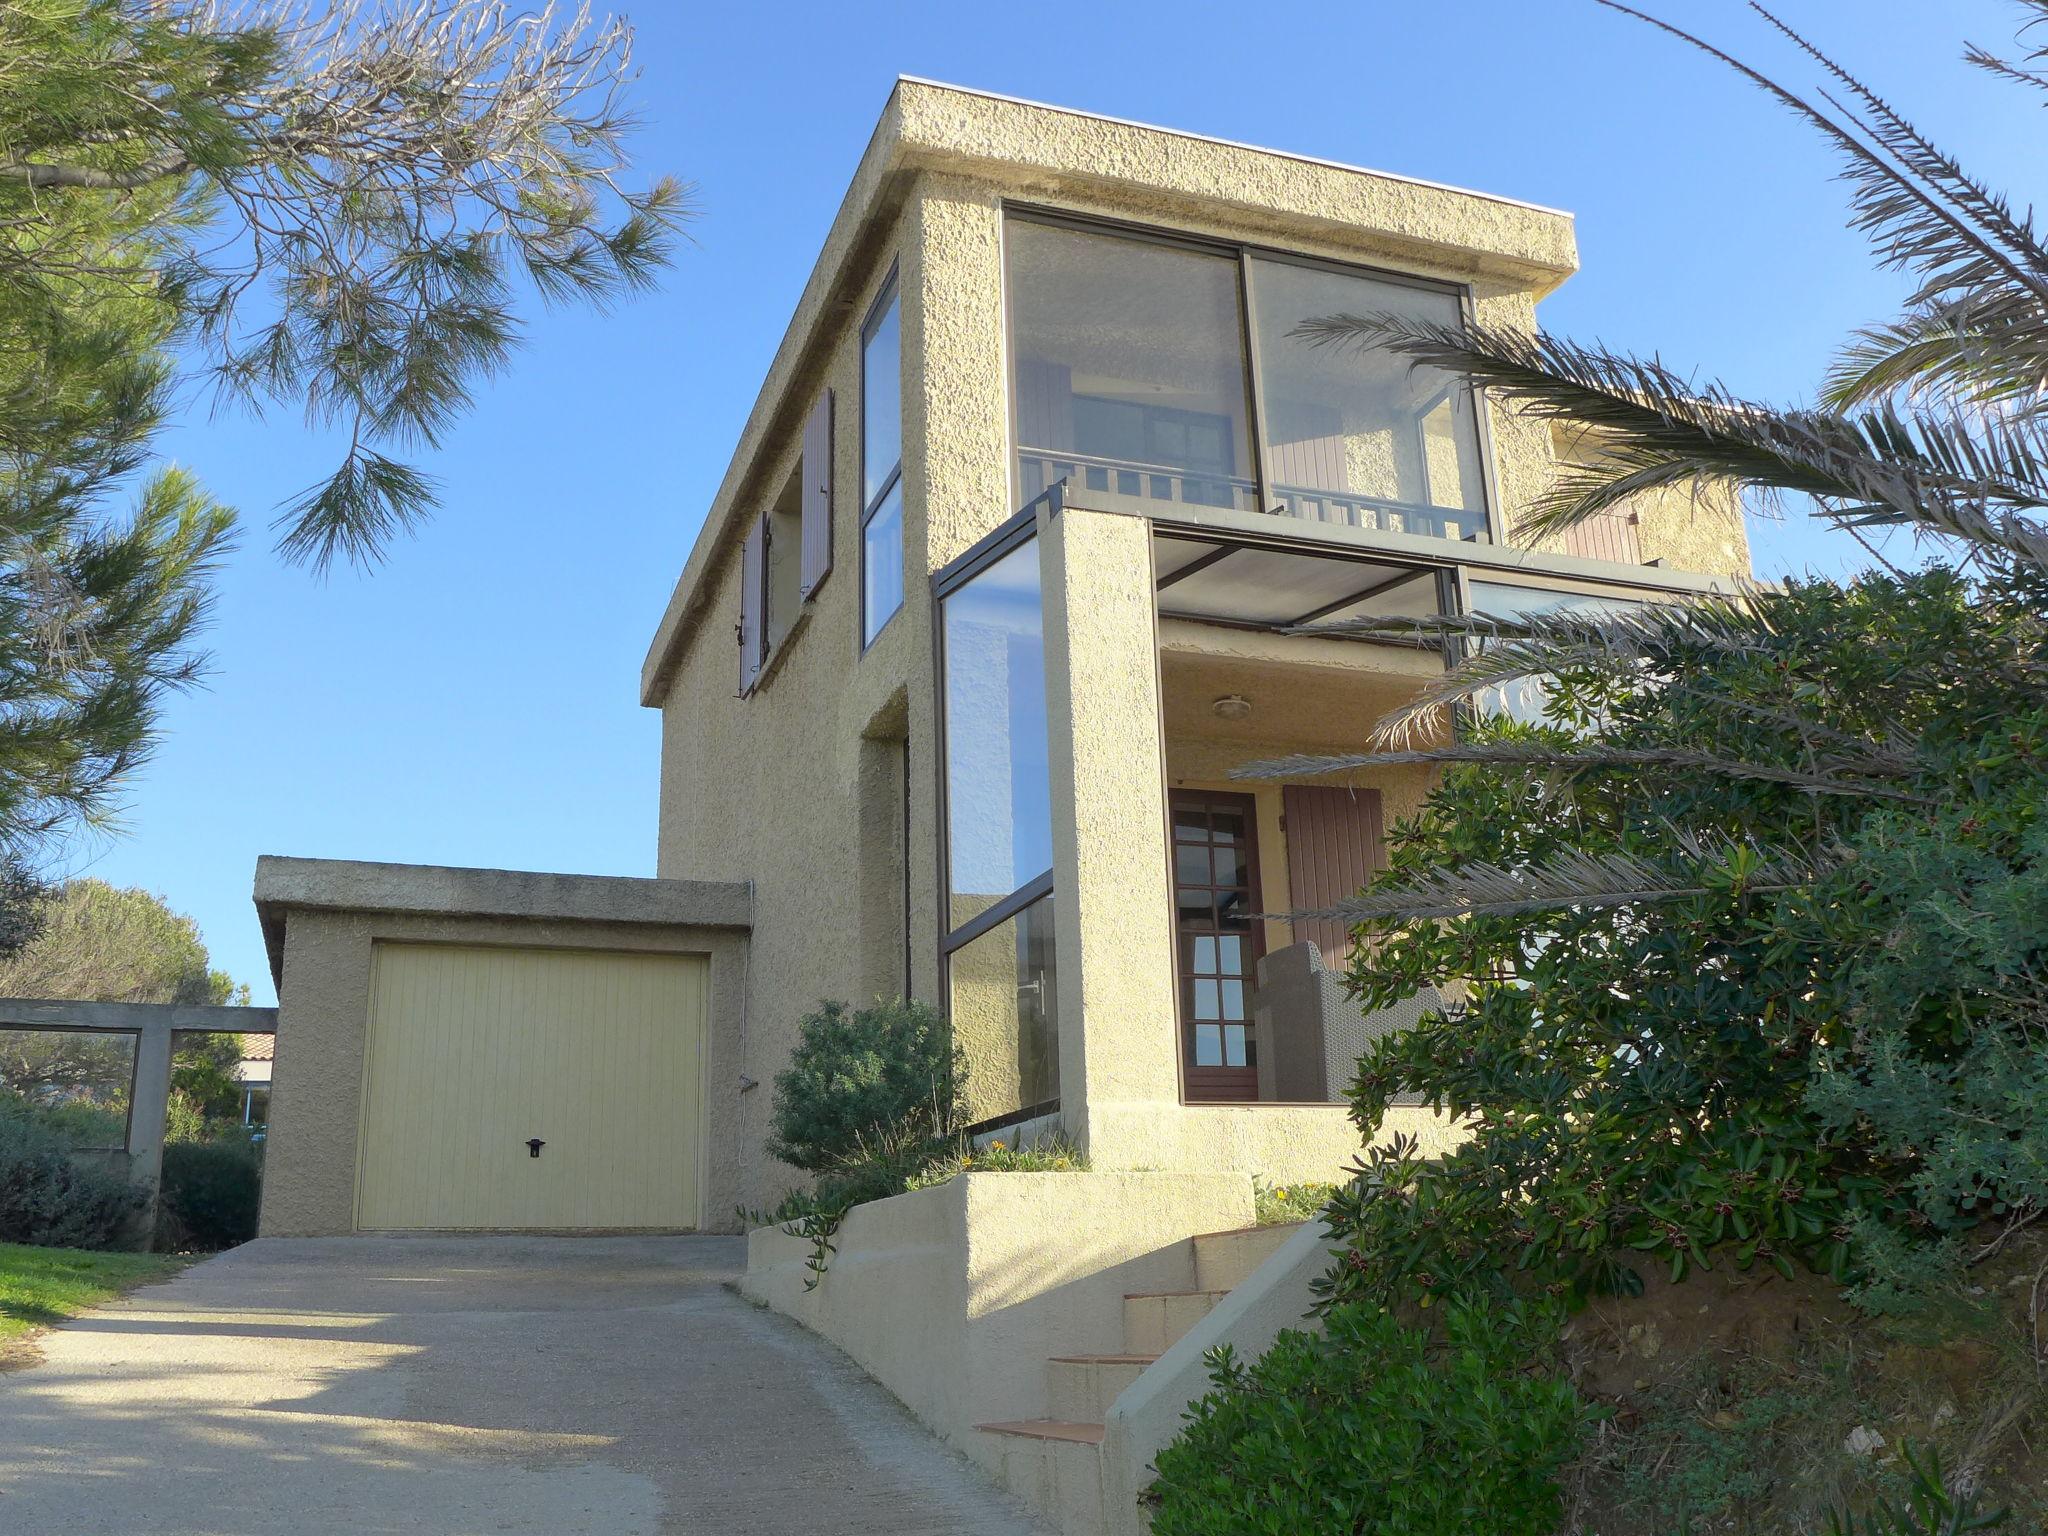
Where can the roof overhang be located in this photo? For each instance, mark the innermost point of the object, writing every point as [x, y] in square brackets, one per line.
[285, 885]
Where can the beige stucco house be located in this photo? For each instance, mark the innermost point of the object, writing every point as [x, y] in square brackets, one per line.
[1038, 479]
[1004, 579]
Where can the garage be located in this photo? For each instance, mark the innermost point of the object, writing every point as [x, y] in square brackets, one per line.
[531, 1088]
[502, 1050]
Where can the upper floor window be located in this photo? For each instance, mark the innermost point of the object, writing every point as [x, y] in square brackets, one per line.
[1130, 378]
[1359, 437]
[1130, 373]
[881, 458]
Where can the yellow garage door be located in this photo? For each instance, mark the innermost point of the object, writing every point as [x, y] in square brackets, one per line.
[475, 1052]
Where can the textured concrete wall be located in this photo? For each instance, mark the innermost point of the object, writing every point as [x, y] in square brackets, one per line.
[309, 1175]
[1112, 909]
[954, 1297]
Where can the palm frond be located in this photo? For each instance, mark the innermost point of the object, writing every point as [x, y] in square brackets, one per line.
[1521, 754]
[1508, 649]
[1701, 866]
[1981, 348]
[1921, 211]
[1921, 469]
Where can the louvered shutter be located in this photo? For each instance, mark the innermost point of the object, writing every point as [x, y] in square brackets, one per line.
[753, 566]
[1334, 845]
[817, 473]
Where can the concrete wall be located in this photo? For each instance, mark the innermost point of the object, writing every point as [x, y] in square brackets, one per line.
[309, 1176]
[954, 1297]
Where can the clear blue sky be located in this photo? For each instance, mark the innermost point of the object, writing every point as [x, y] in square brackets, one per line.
[475, 701]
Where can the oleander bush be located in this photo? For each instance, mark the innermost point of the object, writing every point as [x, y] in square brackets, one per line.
[1378, 1427]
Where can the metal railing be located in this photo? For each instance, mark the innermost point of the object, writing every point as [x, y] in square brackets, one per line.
[1039, 469]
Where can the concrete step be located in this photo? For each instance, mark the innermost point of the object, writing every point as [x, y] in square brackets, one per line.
[1081, 1387]
[1225, 1260]
[1154, 1321]
[1055, 1466]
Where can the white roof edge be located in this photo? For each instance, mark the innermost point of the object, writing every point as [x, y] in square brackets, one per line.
[1256, 149]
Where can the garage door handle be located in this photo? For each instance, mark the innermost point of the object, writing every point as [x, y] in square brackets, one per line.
[533, 1146]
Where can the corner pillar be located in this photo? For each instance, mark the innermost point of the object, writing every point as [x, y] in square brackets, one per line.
[1112, 909]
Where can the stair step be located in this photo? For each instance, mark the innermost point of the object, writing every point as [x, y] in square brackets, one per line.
[1081, 1387]
[1053, 1465]
[1065, 1430]
[1225, 1260]
[1154, 1321]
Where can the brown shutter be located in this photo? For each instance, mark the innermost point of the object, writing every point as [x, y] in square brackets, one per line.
[753, 566]
[817, 473]
[1334, 845]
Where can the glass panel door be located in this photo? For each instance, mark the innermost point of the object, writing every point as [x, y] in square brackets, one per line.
[1215, 895]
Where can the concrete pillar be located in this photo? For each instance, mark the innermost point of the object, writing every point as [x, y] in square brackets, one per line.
[1113, 914]
[148, 1105]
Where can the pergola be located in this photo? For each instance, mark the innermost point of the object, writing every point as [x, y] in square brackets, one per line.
[151, 1026]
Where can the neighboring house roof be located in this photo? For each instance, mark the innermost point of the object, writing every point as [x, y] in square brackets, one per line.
[259, 1047]
[1055, 150]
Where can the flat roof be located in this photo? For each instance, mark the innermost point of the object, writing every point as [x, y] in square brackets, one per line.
[284, 885]
[1256, 149]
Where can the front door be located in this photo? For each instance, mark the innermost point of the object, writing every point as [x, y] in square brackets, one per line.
[1215, 894]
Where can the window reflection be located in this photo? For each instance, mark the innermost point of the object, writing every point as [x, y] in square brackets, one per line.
[998, 795]
[1005, 1012]
[1358, 436]
[1130, 376]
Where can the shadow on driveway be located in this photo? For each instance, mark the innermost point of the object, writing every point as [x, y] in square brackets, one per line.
[609, 1386]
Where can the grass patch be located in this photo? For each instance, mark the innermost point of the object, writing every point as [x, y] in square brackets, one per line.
[40, 1287]
[1055, 1154]
[1275, 1206]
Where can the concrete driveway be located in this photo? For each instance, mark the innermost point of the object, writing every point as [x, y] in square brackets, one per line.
[454, 1386]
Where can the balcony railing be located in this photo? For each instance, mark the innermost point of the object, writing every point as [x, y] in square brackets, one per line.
[1039, 469]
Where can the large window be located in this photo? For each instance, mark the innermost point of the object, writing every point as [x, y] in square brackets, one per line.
[1358, 436]
[1526, 698]
[1130, 380]
[881, 457]
[1130, 373]
[998, 912]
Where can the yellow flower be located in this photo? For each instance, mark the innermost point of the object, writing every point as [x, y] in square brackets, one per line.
[995, 1146]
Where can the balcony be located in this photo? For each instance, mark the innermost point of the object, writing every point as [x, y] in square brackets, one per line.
[1171, 377]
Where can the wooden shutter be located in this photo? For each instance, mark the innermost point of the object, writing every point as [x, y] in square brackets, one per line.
[817, 473]
[753, 572]
[1335, 841]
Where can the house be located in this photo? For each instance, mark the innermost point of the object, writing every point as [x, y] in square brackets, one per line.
[1040, 474]
[1003, 580]
[252, 1071]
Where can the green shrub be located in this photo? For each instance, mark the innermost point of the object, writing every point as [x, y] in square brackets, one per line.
[50, 1198]
[1276, 1205]
[210, 1193]
[1378, 1428]
[857, 1075]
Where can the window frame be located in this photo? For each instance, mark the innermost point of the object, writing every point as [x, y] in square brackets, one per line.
[1242, 254]
[1019, 529]
[887, 295]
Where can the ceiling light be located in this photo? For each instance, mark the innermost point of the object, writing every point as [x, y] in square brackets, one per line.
[1233, 706]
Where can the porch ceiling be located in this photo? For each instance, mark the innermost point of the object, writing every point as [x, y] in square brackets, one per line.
[1232, 583]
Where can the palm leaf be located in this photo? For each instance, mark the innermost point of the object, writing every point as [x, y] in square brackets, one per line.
[1920, 469]
[1574, 878]
[1520, 754]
